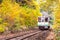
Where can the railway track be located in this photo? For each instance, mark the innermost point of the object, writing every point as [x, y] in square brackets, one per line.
[21, 36]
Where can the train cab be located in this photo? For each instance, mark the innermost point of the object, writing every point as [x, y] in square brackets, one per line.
[43, 23]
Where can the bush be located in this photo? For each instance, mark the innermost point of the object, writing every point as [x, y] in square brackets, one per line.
[2, 29]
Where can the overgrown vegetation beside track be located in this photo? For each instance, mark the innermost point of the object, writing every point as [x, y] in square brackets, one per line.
[18, 15]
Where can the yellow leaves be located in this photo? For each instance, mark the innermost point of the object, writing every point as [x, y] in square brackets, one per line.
[15, 15]
[2, 29]
[10, 9]
[54, 26]
[57, 15]
[54, 6]
[5, 24]
[36, 4]
[1, 19]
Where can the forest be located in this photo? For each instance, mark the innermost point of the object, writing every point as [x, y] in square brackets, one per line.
[16, 15]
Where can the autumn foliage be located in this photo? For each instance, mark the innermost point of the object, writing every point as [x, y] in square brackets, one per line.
[17, 15]
[22, 14]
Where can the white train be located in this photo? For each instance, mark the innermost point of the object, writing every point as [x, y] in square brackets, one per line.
[43, 23]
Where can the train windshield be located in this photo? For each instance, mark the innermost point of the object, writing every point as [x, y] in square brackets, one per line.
[42, 19]
[46, 19]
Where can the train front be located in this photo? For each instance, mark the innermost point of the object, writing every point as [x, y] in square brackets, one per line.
[43, 23]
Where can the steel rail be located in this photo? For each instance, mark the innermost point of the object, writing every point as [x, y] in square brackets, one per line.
[21, 37]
